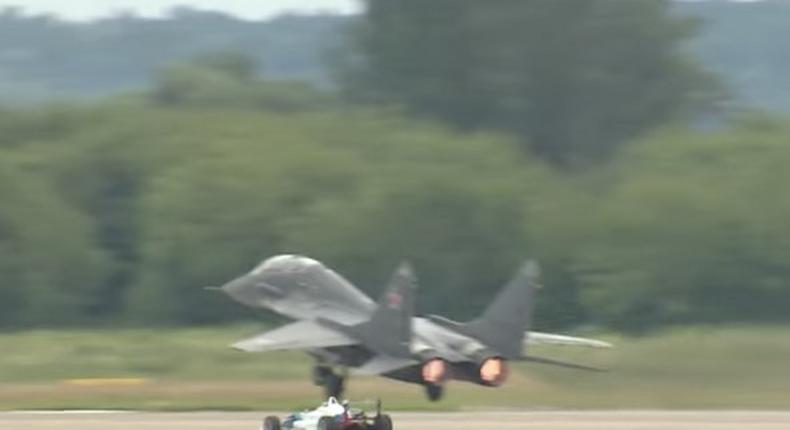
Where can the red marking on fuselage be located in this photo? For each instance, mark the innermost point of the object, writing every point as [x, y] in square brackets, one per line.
[394, 300]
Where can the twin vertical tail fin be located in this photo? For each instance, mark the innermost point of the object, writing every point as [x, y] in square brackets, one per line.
[393, 317]
[501, 327]
[503, 324]
[389, 329]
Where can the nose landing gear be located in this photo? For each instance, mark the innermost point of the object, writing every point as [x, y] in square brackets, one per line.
[333, 384]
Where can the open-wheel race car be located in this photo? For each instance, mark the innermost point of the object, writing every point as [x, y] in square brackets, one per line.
[331, 415]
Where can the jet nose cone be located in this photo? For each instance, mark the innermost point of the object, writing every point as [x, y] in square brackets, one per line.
[241, 290]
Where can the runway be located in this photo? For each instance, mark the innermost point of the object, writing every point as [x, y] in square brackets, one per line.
[537, 420]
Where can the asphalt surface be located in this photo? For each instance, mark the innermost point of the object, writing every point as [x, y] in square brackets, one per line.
[543, 420]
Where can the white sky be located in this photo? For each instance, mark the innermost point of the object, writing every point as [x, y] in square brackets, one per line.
[81, 10]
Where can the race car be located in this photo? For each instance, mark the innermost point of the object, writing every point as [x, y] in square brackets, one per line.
[331, 415]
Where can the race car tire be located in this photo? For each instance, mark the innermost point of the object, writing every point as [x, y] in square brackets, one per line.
[382, 422]
[327, 423]
[271, 423]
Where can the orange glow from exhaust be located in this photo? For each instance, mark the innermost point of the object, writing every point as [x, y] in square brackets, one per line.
[494, 371]
[434, 371]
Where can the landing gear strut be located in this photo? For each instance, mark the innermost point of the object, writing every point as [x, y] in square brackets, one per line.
[333, 384]
[434, 392]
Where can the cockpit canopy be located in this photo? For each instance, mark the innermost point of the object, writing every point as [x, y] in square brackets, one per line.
[285, 264]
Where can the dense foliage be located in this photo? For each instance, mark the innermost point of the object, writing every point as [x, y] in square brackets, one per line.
[123, 210]
[683, 227]
[573, 80]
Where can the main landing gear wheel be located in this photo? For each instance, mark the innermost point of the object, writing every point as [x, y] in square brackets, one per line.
[434, 392]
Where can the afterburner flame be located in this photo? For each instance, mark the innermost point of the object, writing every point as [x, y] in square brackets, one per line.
[494, 371]
[434, 371]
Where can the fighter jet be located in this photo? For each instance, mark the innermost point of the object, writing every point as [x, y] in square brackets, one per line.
[344, 330]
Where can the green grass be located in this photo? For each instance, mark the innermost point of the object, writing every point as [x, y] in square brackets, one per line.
[703, 367]
[173, 354]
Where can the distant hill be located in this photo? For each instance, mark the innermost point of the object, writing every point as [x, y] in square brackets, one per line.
[43, 58]
[748, 44]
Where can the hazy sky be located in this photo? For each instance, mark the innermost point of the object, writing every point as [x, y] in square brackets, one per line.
[251, 9]
[87, 9]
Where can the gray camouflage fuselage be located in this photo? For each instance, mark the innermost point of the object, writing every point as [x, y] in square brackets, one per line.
[342, 327]
[301, 288]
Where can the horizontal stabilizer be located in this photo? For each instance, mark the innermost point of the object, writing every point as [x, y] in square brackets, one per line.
[538, 338]
[297, 335]
[552, 362]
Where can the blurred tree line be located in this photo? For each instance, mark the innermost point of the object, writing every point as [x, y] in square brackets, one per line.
[123, 210]
[573, 79]
[45, 58]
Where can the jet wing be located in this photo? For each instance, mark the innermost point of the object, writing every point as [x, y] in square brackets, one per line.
[298, 335]
[538, 338]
